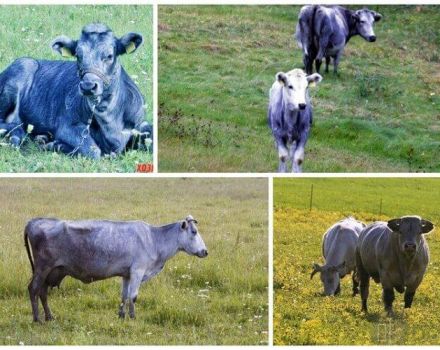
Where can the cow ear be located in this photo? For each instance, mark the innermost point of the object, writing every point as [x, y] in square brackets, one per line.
[65, 46]
[316, 268]
[355, 17]
[314, 78]
[394, 225]
[377, 16]
[282, 78]
[184, 225]
[340, 268]
[129, 43]
[427, 226]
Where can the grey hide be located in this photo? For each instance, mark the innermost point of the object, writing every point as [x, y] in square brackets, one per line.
[338, 249]
[395, 254]
[98, 249]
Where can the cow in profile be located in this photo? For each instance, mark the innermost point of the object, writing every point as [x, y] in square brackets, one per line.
[338, 249]
[290, 116]
[98, 249]
[323, 31]
[90, 107]
[395, 254]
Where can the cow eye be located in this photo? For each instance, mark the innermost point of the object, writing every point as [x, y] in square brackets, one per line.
[194, 232]
[291, 87]
[109, 57]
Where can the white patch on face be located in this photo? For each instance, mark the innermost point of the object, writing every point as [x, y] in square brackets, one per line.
[294, 92]
[365, 24]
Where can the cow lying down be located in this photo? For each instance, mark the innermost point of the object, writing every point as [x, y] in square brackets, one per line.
[89, 107]
[98, 249]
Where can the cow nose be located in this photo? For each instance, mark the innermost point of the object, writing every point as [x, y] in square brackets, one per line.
[410, 246]
[88, 87]
[372, 38]
[203, 253]
[302, 106]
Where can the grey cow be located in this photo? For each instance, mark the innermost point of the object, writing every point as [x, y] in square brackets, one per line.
[98, 249]
[338, 249]
[323, 31]
[395, 254]
[290, 116]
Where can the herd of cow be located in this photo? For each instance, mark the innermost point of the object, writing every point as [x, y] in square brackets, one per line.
[394, 253]
[321, 32]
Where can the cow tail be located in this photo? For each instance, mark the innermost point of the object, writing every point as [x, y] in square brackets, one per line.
[28, 250]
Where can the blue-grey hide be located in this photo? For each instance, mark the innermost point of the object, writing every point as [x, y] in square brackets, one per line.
[61, 98]
[323, 31]
[395, 254]
[98, 249]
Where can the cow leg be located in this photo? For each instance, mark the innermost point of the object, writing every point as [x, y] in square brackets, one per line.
[355, 280]
[308, 64]
[74, 140]
[327, 63]
[364, 281]
[338, 289]
[133, 289]
[409, 296]
[14, 131]
[336, 60]
[283, 154]
[298, 159]
[124, 296]
[388, 298]
[43, 297]
[34, 289]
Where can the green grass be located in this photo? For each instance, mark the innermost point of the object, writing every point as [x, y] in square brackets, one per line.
[217, 63]
[29, 30]
[301, 314]
[222, 299]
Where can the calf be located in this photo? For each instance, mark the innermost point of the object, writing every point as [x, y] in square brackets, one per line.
[95, 250]
[88, 107]
[290, 115]
[338, 249]
[323, 31]
[395, 254]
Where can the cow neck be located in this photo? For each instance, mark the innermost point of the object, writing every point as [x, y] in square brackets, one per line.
[351, 24]
[166, 240]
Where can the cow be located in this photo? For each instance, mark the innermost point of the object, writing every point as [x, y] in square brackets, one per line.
[94, 250]
[290, 115]
[338, 249]
[323, 31]
[90, 107]
[395, 254]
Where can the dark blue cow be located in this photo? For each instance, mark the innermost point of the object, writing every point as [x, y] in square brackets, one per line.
[323, 31]
[89, 107]
[290, 116]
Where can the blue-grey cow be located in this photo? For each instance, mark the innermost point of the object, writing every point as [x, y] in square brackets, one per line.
[290, 116]
[89, 107]
[323, 31]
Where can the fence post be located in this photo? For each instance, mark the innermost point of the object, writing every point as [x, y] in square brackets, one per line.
[380, 207]
[311, 198]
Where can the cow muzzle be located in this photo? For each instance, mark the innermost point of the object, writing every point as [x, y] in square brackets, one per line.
[302, 106]
[372, 38]
[410, 248]
[202, 253]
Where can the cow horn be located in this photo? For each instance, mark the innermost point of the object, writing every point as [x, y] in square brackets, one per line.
[316, 268]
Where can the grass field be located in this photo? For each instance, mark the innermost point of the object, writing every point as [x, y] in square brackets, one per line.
[301, 314]
[222, 299]
[217, 63]
[29, 30]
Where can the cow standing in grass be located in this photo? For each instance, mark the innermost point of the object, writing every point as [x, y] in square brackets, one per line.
[95, 250]
[395, 254]
[323, 31]
[89, 107]
[290, 116]
[338, 249]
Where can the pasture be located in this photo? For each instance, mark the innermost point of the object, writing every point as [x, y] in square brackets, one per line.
[222, 299]
[29, 30]
[301, 314]
[217, 63]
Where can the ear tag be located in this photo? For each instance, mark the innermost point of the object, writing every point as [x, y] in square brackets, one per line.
[312, 84]
[65, 52]
[130, 47]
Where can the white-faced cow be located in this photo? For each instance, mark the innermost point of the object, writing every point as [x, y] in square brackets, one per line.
[395, 254]
[94, 250]
[323, 31]
[338, 249]
[290, 116]
[88, 107]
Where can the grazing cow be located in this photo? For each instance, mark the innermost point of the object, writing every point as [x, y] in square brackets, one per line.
[88, 107]
[395, 254]
[94, 250]
[338, 249]
[323, 31]
[290, 115]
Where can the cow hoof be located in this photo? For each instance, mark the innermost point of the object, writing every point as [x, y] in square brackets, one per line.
[132, 316]
[15, 141]
[49, 318]
[121, 315]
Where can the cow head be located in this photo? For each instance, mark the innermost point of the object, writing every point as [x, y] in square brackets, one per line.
[330, 276]
[190, 240]
[364, 20]
[410, 230]
[96, 53]
[295, 87]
